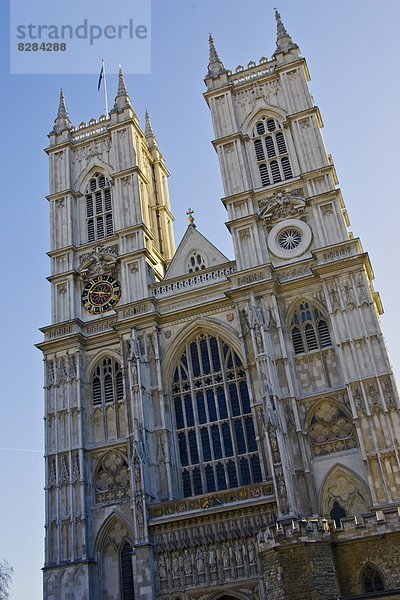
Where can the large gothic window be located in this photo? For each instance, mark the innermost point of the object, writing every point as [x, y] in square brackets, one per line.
[99, 219]
[215, 427]
[309, 329]
[271, 151]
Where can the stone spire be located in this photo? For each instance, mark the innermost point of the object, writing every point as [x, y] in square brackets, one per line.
[215, 65]
[62, 121]
[62, 107]
[122, 99]
[122, 91]
[148, 131]
[283, 40]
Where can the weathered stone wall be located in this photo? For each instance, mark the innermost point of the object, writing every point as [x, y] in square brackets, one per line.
[298, 562]
[350, 558]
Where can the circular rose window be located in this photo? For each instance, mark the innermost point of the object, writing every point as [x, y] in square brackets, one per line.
[290, 238]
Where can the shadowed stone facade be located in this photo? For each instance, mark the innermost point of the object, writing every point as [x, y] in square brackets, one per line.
[215, 428]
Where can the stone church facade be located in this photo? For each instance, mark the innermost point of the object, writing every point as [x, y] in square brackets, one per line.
[215, 428]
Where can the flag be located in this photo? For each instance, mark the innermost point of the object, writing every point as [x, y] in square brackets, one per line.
[100, 76]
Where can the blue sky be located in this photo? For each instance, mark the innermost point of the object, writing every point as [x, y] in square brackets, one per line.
[352, 52]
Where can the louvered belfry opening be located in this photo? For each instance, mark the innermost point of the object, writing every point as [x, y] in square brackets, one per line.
[271, 152]
[99, 216]
[107, 384]
[309, 329]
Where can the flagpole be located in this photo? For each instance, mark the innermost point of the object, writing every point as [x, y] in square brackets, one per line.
[105, 86]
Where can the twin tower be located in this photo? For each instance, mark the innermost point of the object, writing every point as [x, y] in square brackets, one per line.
[215, 428]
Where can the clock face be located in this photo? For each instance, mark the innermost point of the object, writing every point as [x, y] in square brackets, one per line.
[101, 294]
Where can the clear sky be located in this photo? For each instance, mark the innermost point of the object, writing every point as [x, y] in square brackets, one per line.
[352, 51]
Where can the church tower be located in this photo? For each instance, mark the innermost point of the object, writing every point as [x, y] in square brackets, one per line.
[215, 428]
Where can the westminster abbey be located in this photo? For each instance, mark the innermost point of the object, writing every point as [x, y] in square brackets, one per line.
[215, 428]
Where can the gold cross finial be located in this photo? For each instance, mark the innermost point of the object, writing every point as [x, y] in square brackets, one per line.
[190, 214]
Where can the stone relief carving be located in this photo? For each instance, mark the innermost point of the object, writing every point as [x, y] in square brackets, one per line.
[349, 295]
[272, 430]
[330, 429]
[76, 471]
[52, 472]
[390, 400]
[204, 565]
[101, 260]
[374, 399]
[96, 149]
[363, 296]
[62, 370]
[111, 479]
[50, 373]
[268, 91]
[63, 469]
[335, 301]
[343, 487]
[228, 148]
[283, 205]
[359, 403]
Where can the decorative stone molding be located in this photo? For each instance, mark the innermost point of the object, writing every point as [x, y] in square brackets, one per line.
[289, 239]
[101, 260]
[282, 205]
[112, 479]
[219, 499]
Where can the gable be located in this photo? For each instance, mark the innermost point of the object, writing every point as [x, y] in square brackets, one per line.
[194, 253]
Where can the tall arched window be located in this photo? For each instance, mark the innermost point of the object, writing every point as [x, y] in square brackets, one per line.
[271, 151]
[215, 427]
[99, 219]
[115, 561]
[107, 383]
[309, 329]
[371, 579]
[127, 586]
[108, 406]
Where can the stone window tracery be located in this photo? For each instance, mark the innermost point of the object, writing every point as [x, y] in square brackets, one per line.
[271, 151]
[111, 479]
[108, 406]
[99, 218]
[215, 428]
[309, 329]
[107, 383]
[115, 561]
[196, 262]
[371, 579]
[330, 429]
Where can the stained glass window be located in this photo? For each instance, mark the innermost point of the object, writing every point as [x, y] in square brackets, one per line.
[215, 428]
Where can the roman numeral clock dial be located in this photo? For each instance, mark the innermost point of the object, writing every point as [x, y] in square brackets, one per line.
[101, 294]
